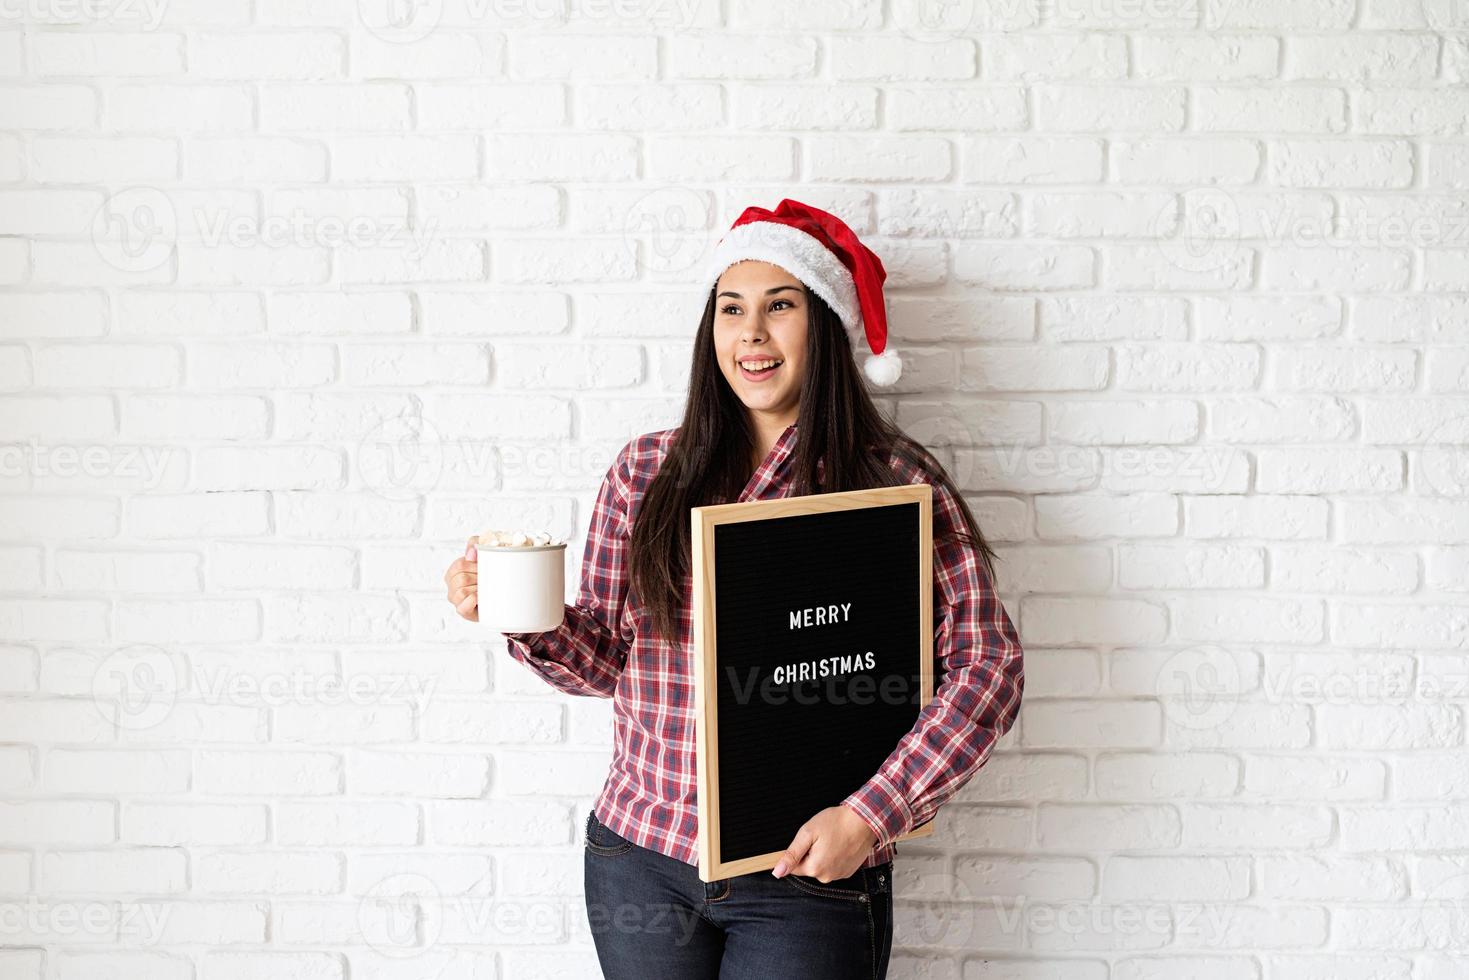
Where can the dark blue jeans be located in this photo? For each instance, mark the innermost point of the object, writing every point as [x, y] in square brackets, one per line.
[653, 918]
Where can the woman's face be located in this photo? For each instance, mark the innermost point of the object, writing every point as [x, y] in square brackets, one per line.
[760, 316]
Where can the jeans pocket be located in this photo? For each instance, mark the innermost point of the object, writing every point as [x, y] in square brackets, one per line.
[854, 888]
[599, 838]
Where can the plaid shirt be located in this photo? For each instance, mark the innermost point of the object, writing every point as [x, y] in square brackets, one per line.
[605, 648]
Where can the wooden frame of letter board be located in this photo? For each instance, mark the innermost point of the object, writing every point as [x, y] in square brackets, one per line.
[704, 520]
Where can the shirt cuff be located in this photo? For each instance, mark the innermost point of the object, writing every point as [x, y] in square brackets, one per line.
[879, 803]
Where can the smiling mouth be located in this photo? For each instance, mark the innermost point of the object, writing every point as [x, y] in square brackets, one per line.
[765, 368]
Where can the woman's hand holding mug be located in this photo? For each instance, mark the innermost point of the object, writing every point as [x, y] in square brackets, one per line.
[525, 580]
[462, 578]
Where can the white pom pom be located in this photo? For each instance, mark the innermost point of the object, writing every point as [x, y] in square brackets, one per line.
[883, 369]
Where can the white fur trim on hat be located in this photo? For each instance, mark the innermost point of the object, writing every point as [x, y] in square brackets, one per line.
[798, 253]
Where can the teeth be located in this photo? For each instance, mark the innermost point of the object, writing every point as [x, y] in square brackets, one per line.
[761, 365]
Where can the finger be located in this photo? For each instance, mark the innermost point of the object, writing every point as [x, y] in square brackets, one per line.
[468, 607]
[470, 551]
[794, 854]
[458, 566]
[463, 577]
[811, 866]
[455, 585]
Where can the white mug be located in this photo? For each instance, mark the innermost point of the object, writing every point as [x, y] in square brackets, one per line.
[522, 590]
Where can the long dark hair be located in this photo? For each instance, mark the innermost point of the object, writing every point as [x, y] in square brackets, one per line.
[708, 461]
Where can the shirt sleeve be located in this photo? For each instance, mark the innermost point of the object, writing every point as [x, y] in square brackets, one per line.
[976, 702]
[585, 655]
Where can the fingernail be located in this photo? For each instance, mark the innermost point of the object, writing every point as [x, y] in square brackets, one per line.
[471, 552]
[779, 869]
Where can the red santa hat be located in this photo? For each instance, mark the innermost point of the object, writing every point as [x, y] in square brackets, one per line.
[820, 250]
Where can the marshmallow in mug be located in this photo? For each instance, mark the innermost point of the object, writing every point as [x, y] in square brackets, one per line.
[514, 539]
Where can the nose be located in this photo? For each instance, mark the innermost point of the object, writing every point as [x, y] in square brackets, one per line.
[754, 328]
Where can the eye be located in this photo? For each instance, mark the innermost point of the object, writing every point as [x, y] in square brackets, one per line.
[785, 301]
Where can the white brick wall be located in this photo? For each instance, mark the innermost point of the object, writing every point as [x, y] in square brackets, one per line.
[295, 299]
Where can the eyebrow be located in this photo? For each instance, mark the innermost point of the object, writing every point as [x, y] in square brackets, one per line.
[769, 292]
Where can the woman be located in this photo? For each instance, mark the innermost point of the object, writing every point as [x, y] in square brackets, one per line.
[792, 292]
